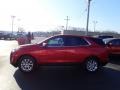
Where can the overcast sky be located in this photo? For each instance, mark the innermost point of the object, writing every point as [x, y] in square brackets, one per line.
[36, 15]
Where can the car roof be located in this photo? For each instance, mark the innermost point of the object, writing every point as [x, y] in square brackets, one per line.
[73, 35]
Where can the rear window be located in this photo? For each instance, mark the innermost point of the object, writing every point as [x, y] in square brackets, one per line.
[98, 41]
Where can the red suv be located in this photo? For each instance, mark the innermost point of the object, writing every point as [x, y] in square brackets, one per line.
[62, 49]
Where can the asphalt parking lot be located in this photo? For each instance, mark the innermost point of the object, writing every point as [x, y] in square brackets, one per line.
[56, 77]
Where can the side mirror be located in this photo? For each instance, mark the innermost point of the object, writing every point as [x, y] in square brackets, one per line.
[44, 44]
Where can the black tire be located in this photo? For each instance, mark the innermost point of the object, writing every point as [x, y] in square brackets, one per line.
[91, 65]
[27, 64]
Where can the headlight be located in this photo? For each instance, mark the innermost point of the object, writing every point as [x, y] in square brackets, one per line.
[15, 49]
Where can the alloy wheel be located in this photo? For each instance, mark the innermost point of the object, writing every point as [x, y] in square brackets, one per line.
[92, 65]
[27, 64]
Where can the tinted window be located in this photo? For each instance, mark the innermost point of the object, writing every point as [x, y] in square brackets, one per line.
[58, 41]
[74, 41]
[98, 41]
[115, 42]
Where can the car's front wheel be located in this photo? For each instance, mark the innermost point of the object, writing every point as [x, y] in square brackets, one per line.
[91, 65]
[27, 64]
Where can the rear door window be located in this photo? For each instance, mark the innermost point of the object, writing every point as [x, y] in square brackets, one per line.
[75, 41]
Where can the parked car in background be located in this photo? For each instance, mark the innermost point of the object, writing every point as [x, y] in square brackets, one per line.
[61, 49]
[7, 36]
[103, 36]
[113, 45]
[22, 40]
[1, 36]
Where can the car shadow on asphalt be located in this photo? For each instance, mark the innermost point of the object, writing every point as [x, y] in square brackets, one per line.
[115, 59]
[68, 78]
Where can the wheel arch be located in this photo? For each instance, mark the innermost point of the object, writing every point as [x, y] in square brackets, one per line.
[93, 56]
[24, 56]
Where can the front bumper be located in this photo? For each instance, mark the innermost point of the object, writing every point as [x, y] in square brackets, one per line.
[13, 59]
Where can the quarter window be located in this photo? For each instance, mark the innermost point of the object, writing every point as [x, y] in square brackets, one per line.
[98, 41]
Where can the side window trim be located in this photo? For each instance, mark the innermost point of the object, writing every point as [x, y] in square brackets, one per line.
[87, 42]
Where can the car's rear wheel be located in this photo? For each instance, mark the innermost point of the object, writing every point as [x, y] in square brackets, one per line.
[27, 64]
[91, 65]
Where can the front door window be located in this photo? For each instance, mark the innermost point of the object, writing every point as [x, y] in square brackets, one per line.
[56, 42]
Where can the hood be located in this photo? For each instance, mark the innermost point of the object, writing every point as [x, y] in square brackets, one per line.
[30, 46]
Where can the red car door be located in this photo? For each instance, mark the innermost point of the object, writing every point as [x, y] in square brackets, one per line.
[75, 53]
[54, 51]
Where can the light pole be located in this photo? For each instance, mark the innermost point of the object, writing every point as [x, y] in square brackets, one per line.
[94, 23]
[12, 17]
[19, 26]
[67, 19]
[88, 11]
